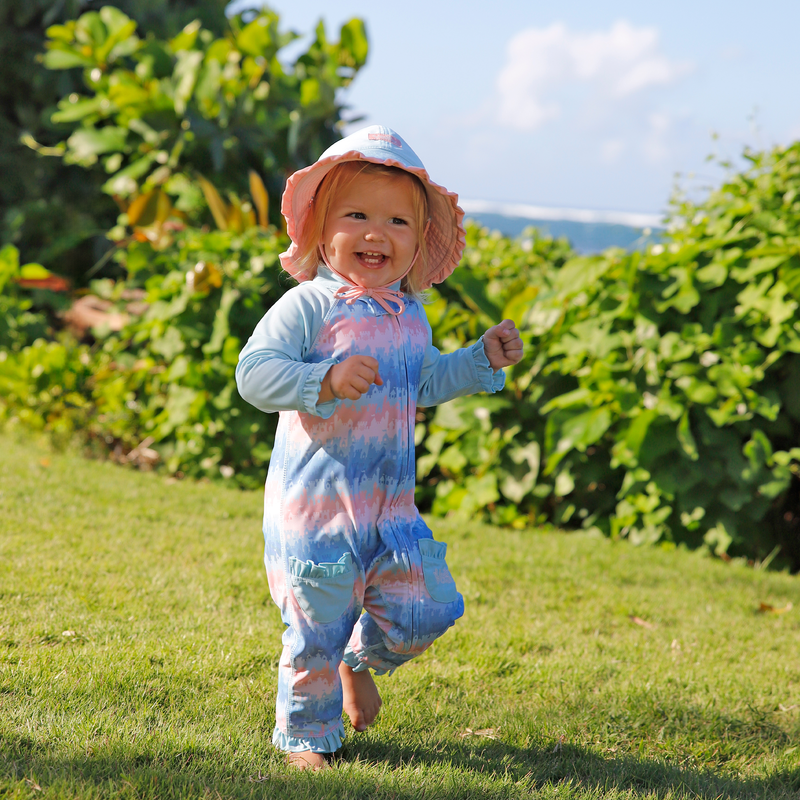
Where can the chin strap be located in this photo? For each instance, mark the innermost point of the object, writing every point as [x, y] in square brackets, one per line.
[382, 295]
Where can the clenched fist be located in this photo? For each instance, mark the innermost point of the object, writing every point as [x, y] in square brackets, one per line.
[502, 345]
[350, 379]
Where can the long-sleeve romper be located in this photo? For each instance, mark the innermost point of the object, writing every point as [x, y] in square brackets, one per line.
[342, 533]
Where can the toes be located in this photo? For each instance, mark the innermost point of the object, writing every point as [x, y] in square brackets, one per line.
[362, 718]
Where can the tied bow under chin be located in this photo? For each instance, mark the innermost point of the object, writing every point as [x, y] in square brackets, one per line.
[381, 295]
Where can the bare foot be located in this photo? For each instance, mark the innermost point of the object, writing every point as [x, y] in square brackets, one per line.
[361, 699]
[307, 760]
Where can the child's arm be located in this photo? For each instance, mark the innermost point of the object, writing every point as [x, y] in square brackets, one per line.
[469, 370]
[272, 373]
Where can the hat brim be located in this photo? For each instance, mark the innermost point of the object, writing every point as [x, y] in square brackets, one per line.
[445, 237]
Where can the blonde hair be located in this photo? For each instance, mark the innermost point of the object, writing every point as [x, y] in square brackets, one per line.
[337, 180]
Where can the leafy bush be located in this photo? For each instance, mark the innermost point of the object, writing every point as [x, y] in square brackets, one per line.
[39, 378]
[658, 396]
[657, 399]
[157, 112]
[55, 213]
[166, 379]
[31, 298]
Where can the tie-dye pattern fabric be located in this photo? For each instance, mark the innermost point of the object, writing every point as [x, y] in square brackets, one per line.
[342, 533]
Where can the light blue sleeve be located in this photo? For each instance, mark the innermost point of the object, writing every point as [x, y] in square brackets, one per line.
[272, 374]
[467, 371]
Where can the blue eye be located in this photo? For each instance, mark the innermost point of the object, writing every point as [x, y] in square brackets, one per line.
[358, 215]
[398, 221]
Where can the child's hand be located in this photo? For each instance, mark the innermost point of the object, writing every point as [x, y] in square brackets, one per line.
[502, 345]
[350, 379]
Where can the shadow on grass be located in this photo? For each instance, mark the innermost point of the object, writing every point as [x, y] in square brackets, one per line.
[585, 770]
[374, 769]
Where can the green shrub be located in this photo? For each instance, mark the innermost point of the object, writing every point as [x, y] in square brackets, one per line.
[170, 373]
[54, 213]
[658, 396]
[20, 321]
[165, 382]
[42, 382]
[156, 112]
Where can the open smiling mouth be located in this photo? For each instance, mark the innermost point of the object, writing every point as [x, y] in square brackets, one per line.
[372, 259]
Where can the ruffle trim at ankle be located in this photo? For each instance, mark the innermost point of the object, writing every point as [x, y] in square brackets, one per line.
[329, 743]
[352, 661]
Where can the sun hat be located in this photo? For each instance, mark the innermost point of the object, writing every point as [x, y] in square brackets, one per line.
[444, 236]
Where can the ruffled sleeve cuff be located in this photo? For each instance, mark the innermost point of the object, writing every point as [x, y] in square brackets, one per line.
[491, 381]
[309, 391]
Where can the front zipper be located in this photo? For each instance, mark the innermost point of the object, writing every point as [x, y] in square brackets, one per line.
[414, 578]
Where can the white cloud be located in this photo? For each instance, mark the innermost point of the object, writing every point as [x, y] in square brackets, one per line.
[541, 62]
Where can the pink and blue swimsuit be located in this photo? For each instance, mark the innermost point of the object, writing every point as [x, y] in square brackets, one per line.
[351, 564]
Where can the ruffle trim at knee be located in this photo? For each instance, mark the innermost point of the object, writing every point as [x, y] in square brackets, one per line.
[329, 743]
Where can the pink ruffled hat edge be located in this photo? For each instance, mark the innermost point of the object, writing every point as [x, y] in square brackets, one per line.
[445, 238]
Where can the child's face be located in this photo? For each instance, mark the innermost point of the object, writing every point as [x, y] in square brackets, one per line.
[370, 236]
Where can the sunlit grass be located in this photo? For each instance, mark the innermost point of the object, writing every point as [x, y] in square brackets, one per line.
[138, 649]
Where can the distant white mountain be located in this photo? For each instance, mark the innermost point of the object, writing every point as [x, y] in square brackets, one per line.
[589, 231]
[630, 218]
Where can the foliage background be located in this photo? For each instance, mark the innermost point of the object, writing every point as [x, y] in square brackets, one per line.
[657, 400]
[658, 397]
[54, 212]
[152, 110]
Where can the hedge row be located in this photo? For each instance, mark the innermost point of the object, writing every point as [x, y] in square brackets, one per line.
[658, 399]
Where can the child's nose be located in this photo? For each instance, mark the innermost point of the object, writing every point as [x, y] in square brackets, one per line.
[374, 234]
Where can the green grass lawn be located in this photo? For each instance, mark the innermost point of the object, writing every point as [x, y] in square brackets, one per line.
[139, 645]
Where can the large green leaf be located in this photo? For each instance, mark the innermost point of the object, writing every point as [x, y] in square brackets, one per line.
[62, 58]
[354, 44]
[186, 72]
[73, 111]
[221, 320]
[686, 438]
[473, 293]
[88, 143]
[580, 431]
[258, 38]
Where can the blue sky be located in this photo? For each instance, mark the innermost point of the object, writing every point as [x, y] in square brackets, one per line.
[574, 104]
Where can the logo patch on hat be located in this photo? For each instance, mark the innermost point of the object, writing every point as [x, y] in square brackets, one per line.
[385, 137]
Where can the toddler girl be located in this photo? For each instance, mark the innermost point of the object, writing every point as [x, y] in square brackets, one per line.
[346, 357]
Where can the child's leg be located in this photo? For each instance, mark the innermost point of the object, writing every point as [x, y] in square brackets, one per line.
[319, 607]
[411, 600]
[309, 703]
[361, 700]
